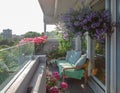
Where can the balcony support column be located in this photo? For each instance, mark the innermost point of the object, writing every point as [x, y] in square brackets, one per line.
[78, 43]
[44, 28]
[90, 52]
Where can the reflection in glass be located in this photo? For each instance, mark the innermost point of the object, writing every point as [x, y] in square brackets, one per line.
[12, 60]
[99, 61]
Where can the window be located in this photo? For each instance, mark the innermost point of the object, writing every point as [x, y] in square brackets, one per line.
[98, 69]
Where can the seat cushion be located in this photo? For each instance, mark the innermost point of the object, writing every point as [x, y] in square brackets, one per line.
[81, 60]
[68, 55]
[74, 57]
[77, 74]
[62, 65]
[61, 61]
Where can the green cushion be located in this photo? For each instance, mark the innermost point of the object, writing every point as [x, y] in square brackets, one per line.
[68, 55]
[74, 57]
[81, 60]
[71, 58]
[63, 65]
[60, 61]
[77, 74]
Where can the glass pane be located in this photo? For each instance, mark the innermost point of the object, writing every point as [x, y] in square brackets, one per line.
[99, 61]
[12, 60]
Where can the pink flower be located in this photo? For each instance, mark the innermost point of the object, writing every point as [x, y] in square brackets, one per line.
[36, 40]
[48, 87]
[64, 85]
[54, 90]
[56, 75]
[53, 80]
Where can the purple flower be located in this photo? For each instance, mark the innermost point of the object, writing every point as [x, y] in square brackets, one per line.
[86, 28]
[97, 24]
[93, 26]
[100, 20]
[99, 31]
[105, 28]
[81, 24]
[65, 35]
[71, 29]
[85, 21]
[76, 23]
[89, 18]
[79, 33]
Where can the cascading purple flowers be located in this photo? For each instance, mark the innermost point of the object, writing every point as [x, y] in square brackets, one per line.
[96, 23]
[73, 21]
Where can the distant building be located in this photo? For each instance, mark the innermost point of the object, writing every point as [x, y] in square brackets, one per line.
[7, 34]
[16, 37]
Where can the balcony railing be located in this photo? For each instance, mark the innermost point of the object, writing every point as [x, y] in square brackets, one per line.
[12, 60]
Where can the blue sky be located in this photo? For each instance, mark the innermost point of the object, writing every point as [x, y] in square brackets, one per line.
[21, 16]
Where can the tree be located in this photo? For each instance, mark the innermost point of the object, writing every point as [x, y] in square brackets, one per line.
[8, 42]
[0, 37]
[31, 34]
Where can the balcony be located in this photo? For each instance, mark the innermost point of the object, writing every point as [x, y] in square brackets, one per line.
[24, 72]
[20, 68]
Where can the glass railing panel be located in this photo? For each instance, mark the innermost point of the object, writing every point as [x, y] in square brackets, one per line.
[12, 60]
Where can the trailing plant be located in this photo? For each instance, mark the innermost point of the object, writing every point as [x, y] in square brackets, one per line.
[96, 23]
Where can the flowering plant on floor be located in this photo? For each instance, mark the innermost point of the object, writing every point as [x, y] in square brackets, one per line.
[52, 85]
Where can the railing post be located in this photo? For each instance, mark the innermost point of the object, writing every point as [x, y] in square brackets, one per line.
[90, 52]
[78, 43]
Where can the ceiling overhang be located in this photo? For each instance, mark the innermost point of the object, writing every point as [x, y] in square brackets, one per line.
[53, 8]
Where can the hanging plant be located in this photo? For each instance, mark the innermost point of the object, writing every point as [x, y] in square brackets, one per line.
[96, 23]
[73, 21]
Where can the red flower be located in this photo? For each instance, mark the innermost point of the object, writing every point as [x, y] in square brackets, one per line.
[36, 40]
[64, 85]
[56, 75]
[54, 90]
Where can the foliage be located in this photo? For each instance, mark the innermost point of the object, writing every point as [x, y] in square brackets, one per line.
[64, 46]
[60, 50]
[83, 44]
[0, 37]
[8, 62]
[96, 23]
[65, 34]
[100, 48]
[12, 58]
[52, 83]
[31, 34]
[8, 42]
[3, 46]
[52, 34]
[53, 54]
